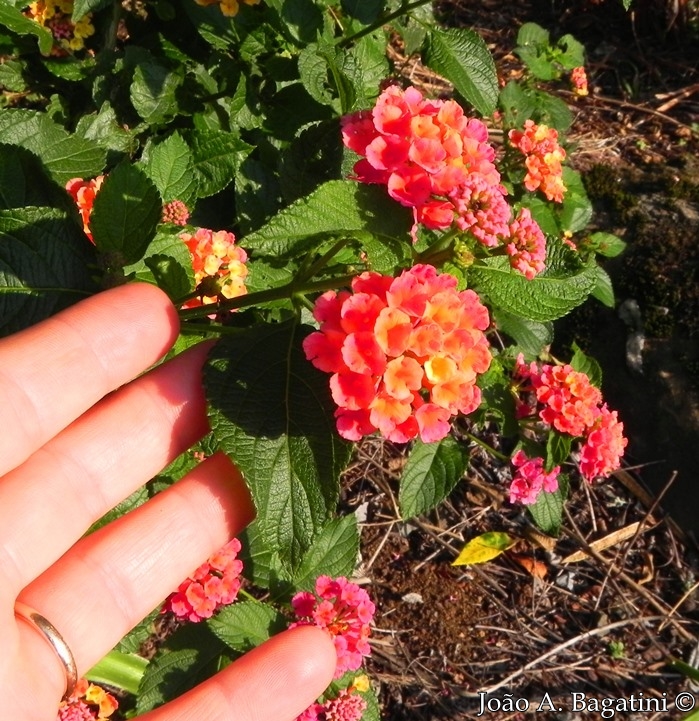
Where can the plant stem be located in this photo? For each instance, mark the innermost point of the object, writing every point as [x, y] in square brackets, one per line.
[439, 250]
[121, 670]
[405, 8]
[487, 447]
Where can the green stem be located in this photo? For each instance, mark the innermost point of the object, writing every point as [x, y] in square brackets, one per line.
[405, 7]
[120, 670]
[440, 250]
[487, 447]
[266, 296]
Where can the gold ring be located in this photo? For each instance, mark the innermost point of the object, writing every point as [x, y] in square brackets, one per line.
[56, 641]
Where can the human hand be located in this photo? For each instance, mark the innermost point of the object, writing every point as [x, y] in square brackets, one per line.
[70, 450]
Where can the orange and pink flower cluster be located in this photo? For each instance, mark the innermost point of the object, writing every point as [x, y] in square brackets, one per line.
[566, 400]
[214, 584]
[344, 611]
[348, 705]
[405, 353]
[530, 479]
[87, 702]
[543, 159]
[218, 263]
[578, 79]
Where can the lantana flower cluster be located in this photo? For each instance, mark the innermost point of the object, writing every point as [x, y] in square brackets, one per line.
[344, 611]
[87, 702]
[578, 79]
[56, 16]
[530, 479]
[175, 212]
[435, 160]
[566, 400]
[405, 353]
[229, 8]
[543, 159]
[348, 705]
[219, 265]
[214, 584]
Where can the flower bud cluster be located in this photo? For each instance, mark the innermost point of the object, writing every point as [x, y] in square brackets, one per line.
[543, 158]
[530, 479]
[175, 212]
[566, 400]
[344, 611]
[218, 263]
[578, 79]
[405, 353]
[214, 584]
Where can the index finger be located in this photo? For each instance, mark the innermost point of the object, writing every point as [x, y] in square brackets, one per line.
[54, 371]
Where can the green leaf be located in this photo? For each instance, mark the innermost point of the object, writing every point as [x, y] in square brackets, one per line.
[188, 656]
[606, 244]
[603, 290]
[339, 207]
[139, 634]
[13, 19]
[153, 92]
[547, 512]
[170, 165]
[333, 553]
[271, 411]
[136, 499]
[313, 71]
[82, 7]
[546, 297]
[532, 34]
[366, 11]
[572, 53]
[167, 264]
[557, 449]
[532, 337]
[44, 266]
[125, 213]
[584, 363]
[23, 180]
[244, 625]
[217, 155]
[118, 669]
[430, 474]
[576, 212]
[64, 156]
[262, 565]
[463, 58]
[366, 65]
[104, 129]
[484, 548]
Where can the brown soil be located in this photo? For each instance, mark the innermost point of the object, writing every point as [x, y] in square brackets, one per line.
[530, 623]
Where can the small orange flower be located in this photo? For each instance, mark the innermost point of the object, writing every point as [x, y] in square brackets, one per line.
[87, 702]
[83, 193]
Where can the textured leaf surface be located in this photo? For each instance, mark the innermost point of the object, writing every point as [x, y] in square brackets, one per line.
[547, 512]
[126, 213]
[82, 7]
[529, 335]
[333, 553]
[64, 156]
[243, 625]
[463, 58]
[170, 165]
[153, 92]
[430, 474]
[271, 412]
[337, 207]
[44, 260]
[484, 548]
[13, 19]
[217, 156]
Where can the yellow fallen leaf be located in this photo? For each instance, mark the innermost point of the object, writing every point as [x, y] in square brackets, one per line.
[484, 548]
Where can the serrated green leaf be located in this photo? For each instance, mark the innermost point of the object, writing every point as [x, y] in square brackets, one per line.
[462, 57]
[44, 266]
[366, 65]
[136, 499]
[170, 165]
[557, 449]
[573, 52]
[153, 92]
[83, 7]
[584, 363]
[167, 264]
[603, 290]
[576, 211]
[338, 207]
[244, 625]
[63, 155]
[13, 19]
[125, 213]
[12, 76]
[271, 412]
[333, 553]
[134, 639]
[102, 128]
[606, 244]
[313, 71]
[430, 474]
[547, 512]
[546, 297]
[190, 655]
[484, 548]
[532, 34]
[530, 336]
[262, 565]
[217, 155]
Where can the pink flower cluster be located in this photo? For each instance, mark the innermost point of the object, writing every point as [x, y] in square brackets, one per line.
[404, 352]
[343, 610]
[346, 706]
[218, 263]
[87, 702]
[543, 158]
[214, 584]
[435, 160]
[578, 79]
[568, 402]
[530, 479]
